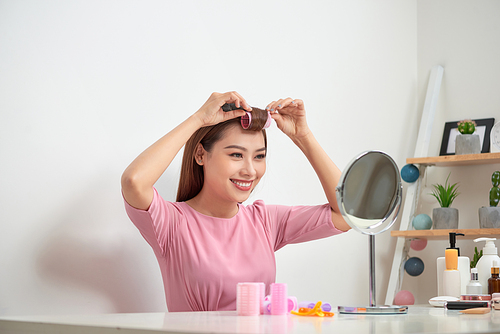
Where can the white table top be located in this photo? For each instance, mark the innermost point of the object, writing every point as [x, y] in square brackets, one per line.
[420, 319]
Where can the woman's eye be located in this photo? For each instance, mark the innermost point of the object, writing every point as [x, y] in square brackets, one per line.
[261, 156]
[237, 155]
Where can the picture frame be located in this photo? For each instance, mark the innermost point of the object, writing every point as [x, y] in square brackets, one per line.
[483, 129]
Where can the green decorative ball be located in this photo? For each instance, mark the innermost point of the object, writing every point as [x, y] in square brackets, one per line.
[422, 222]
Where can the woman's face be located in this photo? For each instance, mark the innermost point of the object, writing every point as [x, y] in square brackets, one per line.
[235, 165]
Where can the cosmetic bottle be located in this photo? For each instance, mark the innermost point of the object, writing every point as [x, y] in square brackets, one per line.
[451, 276]
[474, 287]
[486, 262]
[463, 267]
[494, 280]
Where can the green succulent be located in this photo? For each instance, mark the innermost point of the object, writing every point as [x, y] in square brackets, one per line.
[476, 257]
[495, 190]
[446, 194]
[467, 127]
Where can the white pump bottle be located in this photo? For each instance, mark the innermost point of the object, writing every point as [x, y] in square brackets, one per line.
[463, 268]
[485, 263]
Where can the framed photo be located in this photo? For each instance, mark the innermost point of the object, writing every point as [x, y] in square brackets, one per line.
[483, 129]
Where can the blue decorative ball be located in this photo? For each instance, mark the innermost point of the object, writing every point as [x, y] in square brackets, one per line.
[422, 222]
[409, 173]
[414, 266]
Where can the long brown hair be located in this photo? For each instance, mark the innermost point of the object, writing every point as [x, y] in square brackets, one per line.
[192, 177]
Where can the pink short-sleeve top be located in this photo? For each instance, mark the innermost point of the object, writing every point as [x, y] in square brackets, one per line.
[202, 258]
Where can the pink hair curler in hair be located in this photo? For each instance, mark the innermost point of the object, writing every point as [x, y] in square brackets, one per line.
[246, 120]
[249, 299]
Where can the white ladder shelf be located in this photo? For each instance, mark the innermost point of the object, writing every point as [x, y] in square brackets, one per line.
[413, 191]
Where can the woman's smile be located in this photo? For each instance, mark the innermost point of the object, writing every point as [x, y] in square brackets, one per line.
[242, 185]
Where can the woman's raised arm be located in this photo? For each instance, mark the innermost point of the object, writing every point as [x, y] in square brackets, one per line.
[140, 176]
[290, 116]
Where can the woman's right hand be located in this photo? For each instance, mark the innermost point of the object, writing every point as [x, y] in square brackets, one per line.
[211, 112]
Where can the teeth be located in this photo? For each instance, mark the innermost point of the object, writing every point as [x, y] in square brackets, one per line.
[242, 184]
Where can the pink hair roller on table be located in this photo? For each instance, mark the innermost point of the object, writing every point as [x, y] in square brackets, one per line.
[279, 300]
[249, 298]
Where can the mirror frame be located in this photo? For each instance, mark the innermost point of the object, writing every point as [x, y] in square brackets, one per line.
[384, 223]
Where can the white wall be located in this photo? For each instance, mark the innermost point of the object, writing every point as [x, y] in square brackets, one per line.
[85, 86]
[462, 36]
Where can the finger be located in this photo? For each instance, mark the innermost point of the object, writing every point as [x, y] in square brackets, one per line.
[274, 106]
[243, 102]
[270, 106]
[299, 103]
[283, 103]
[292, 106]
[237, 99]
[280, 104]
[235, 113]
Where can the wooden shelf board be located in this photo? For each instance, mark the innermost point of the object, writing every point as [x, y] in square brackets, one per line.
[444, 234]
[457, 160]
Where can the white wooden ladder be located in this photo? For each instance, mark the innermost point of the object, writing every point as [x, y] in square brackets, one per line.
[413, 190]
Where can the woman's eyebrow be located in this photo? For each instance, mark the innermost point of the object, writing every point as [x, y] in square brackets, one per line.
[243, 148]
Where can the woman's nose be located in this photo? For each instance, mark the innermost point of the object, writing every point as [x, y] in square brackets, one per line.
[249, 168]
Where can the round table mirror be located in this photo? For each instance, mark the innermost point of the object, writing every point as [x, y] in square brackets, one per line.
[369, 198]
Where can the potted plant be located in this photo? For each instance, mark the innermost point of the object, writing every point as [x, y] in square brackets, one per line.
[467, 142]
[475, 259]
[445, 217]
[489, 217]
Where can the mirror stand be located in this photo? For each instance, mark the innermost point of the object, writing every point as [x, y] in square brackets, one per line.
[372, 308]
[369, 197]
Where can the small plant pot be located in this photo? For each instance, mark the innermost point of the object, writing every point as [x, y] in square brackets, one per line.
[444, 218]
[467, 144]
[489, 217]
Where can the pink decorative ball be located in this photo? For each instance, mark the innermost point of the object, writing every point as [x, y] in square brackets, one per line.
[404, 297]
[418, 244]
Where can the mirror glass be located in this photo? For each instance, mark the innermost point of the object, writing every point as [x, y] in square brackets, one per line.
[369, 192]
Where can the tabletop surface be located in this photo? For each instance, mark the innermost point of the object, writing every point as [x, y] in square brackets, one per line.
[420, 319]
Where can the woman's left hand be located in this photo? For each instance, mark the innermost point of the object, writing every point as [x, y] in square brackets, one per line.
[290, 116]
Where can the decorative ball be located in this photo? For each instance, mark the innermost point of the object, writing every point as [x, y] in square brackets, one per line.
[414, 266]
[418, 244]
[404, 297]
[422, 222]
[409, 173]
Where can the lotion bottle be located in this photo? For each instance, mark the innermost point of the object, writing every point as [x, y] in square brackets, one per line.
[474, 287]
[486, 262]
[463, 267]
[451, 276]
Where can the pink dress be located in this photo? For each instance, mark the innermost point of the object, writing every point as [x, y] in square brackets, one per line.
[203, 258]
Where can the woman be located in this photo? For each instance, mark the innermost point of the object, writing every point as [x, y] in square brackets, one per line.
[207, 241]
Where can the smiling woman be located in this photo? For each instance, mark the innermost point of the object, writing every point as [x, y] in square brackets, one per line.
[208, 241]
[203, 142]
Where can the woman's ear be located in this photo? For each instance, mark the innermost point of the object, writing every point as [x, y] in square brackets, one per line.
[199, 154]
